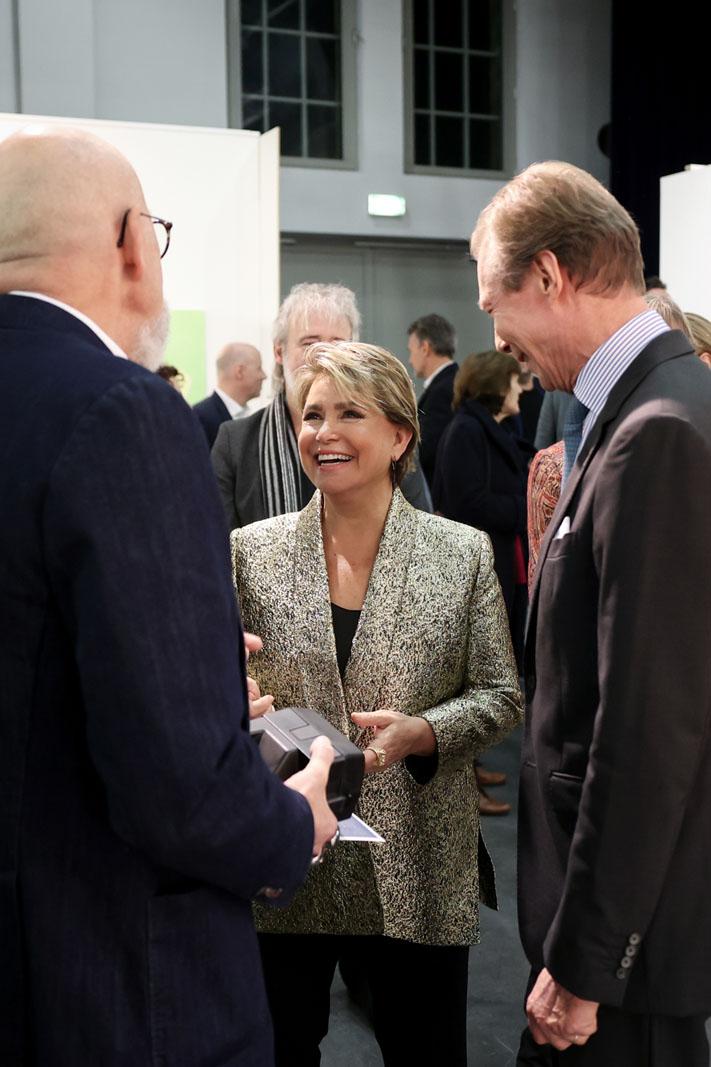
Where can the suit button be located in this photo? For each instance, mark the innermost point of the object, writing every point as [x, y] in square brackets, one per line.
[635, 939]
[625, 962]
[620, 973]
[631, 950]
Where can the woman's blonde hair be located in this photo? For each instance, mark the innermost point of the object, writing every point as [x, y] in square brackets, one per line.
[699, 332]
[370, 376]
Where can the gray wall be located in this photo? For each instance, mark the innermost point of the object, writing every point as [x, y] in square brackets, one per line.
[165, 61]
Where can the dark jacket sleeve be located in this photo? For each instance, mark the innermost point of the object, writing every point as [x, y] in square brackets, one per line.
[463, 483]
[415, 489]
[223, 466]
[139, 562]
[653, 713]
[433, 422]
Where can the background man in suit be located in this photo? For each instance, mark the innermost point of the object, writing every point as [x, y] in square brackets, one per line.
[239, 379]
[137, 820]
[432, 343]
[256, 459]
[615, 812]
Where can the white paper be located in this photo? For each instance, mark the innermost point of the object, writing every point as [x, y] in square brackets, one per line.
[354, 829]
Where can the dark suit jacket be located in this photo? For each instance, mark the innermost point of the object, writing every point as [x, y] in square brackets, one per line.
[480, 479]
[435, 407]
[236, 462]
[615, 800]
[137, 819]
[211, 412]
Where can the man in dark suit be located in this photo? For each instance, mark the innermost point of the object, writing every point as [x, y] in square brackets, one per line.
[256, 459]
[137, 820]
[239, 380]
[615, 800]
[432, 342]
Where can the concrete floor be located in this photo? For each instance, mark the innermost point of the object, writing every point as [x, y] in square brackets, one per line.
[497, 968]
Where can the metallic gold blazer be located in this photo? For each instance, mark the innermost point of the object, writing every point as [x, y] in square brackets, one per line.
[432, 640]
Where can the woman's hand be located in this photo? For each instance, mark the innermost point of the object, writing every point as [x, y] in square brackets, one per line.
[258, 704]
[395, 736]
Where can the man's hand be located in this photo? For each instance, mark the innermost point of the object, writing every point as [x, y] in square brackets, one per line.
[394, 736]
[311, 783]
[557, 1017]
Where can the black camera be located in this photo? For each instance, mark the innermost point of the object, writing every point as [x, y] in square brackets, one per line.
[284, 738]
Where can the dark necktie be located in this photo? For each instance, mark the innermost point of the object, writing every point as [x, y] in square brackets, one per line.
[573, 434]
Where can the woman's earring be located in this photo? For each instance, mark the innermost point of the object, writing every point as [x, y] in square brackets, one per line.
[393, 471]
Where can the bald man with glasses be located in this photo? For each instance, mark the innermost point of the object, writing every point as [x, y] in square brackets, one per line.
[137, 820]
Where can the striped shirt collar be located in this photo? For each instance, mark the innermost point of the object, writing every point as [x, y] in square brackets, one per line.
[609, 362]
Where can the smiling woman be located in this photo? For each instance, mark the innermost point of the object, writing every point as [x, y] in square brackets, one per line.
[389, 621]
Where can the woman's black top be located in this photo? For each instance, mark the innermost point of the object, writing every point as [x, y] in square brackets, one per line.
[345, 624]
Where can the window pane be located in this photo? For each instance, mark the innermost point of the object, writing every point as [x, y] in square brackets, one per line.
[251, 12]
[284, 65]
[422, 78]
[449, 142]
[485, 145]
[324, 129]
[422, 140]
[322, 69]
[288, 117]
[484, 88]
[484, 24]
[253, 114]
[421, 19]
[252, 73]
[283, 14]
[449, 81]
[448, 23]
[321, 16]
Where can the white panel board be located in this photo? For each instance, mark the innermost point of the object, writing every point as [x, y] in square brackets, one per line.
[685, 238]
[221, 193]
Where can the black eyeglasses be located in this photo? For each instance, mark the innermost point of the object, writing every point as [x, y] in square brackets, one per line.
[162, 236]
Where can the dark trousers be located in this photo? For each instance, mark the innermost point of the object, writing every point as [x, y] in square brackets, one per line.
[626, 1039]
[419, 996]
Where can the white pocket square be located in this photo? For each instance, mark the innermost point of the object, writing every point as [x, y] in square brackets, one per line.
[563, 529]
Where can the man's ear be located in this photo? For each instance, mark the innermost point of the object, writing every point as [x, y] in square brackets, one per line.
[705, 357]
[278, 352]
[547, 273]
[133, 249]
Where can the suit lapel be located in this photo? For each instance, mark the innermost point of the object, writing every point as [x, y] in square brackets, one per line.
[667, 346]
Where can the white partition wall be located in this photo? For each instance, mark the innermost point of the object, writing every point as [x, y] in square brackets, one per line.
[220, 189]
[685, 238]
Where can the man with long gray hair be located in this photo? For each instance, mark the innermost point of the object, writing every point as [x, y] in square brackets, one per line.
[256, 459]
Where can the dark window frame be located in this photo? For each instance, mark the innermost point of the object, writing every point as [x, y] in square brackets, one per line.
[507, 103]
[348, 47]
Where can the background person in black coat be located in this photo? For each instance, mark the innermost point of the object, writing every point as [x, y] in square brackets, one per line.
[239, 380]
[432, 343]
[480, 478]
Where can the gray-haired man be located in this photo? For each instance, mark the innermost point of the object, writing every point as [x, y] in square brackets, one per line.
[256, 459]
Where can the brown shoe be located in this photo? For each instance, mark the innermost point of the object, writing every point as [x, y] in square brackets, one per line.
[488, 778]
[489, 806]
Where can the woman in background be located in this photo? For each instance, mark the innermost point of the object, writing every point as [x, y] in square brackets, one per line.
[389, 621]
[480, 476]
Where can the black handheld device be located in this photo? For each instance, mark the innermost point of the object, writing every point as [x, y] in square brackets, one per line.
[284, 738]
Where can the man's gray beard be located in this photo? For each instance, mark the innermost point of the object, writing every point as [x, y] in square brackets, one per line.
[149, 348]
